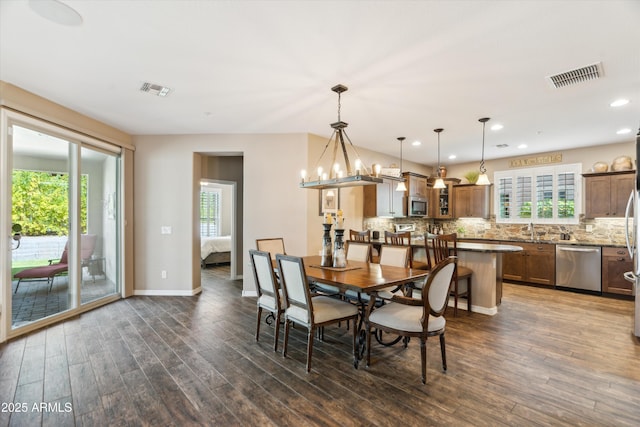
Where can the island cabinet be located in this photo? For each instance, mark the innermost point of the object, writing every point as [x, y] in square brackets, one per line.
[606, 194]
[441, 199]
[471, 201]
[383, 199]
[535, 264]
[615, 262]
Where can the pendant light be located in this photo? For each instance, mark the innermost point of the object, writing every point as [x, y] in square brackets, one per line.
[483, 179]
[439, 184]
[401, 186]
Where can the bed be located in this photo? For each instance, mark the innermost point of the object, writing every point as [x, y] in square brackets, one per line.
[215, 250]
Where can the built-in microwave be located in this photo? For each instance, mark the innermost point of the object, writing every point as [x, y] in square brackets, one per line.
[417, 206]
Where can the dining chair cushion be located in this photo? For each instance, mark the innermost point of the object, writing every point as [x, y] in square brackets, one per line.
[326, 309]
[405, 318]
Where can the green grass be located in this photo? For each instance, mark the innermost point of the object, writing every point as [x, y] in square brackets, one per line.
[21, 265]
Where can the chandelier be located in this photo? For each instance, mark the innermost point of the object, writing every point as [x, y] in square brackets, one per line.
[335, 176]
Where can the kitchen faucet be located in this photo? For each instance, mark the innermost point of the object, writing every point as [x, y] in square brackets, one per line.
[531, 229]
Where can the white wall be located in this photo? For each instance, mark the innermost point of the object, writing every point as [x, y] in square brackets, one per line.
[164, 183]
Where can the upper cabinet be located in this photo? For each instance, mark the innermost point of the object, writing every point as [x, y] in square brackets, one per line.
[416, 185]
[606, 194]
[383, 199]
[471, 201]
[441, 200]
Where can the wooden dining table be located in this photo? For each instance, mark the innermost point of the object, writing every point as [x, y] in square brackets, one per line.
[361, 277]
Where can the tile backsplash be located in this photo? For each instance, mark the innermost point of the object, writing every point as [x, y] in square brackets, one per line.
[597, 231]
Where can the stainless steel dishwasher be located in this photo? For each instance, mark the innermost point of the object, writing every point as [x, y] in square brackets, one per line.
[579, 267]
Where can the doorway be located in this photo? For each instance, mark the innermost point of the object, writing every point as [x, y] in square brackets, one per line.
[217, 225]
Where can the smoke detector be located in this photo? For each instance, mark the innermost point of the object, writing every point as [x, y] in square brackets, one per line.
[571, 77]
[155, 89]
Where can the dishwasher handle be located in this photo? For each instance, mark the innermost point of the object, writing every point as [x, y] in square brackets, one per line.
[570, 249]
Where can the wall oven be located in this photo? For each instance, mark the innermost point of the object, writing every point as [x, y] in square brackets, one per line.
[417, 206]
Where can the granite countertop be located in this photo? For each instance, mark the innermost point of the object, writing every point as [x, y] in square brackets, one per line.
[548, 242]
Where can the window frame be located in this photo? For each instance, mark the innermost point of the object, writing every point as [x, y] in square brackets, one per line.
[217, 217]
[532, 174]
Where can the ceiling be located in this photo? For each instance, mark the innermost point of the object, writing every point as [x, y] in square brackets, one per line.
[410, 66]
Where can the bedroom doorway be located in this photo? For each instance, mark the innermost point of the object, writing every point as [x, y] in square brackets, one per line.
[217, 226]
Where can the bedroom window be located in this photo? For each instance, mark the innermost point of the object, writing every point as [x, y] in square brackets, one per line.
[541, 195]
[210, 212]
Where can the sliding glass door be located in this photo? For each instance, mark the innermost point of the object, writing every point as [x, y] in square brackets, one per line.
[64, 192]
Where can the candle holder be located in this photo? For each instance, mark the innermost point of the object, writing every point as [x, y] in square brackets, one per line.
[339, 255]
[327, 259]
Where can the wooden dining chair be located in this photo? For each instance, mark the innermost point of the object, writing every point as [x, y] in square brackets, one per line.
[269, 295]
[360, 236]
[402, 238]
[273, 245]
[445, 245]
[311, 313]
[409, 317]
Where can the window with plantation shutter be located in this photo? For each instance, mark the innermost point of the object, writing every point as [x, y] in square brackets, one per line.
[540, 195]
[210, 212]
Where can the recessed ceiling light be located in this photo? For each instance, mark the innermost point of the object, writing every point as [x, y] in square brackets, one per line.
[619, 102]
[624, 131]
[497, 126]
[55, 11]
[521, 146]
[452, 156]
[416, 143]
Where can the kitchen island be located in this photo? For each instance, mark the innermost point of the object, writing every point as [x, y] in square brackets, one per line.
[485, 259]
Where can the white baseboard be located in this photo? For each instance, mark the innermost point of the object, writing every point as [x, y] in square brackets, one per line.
[462, 305]
[167, 293]
[249, 293]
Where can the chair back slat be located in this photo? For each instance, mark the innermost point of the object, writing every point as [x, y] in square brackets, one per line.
[402, 238]
[360, 236]
[273, 246]
[358, 251]
[444, 245]
[396, 256]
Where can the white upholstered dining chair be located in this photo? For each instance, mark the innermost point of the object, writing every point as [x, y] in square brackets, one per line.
[409, 317]
[302, 309]
[269, 296]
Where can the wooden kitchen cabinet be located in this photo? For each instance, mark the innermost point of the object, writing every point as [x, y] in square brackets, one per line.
[441, 199]
[615, 262]
[416, 185]
[606, 194]
[471, 201]
[536, 263]
[383, 199]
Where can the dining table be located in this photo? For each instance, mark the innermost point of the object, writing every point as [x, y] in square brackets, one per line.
[363, 278]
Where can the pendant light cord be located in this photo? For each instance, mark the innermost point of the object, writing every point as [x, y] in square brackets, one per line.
[483, 169]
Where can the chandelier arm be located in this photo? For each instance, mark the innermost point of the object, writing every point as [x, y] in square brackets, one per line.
[325, 149]
[335, 155]
[353, 147]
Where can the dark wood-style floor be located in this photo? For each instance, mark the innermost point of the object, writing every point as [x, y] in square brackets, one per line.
[548, 358]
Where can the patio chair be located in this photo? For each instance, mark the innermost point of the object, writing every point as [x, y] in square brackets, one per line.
[48, 272]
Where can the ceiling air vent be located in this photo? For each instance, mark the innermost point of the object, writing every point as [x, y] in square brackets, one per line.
[155, 89]
[590, 72]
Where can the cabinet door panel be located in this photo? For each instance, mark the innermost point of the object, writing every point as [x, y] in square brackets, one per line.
[621, 186]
